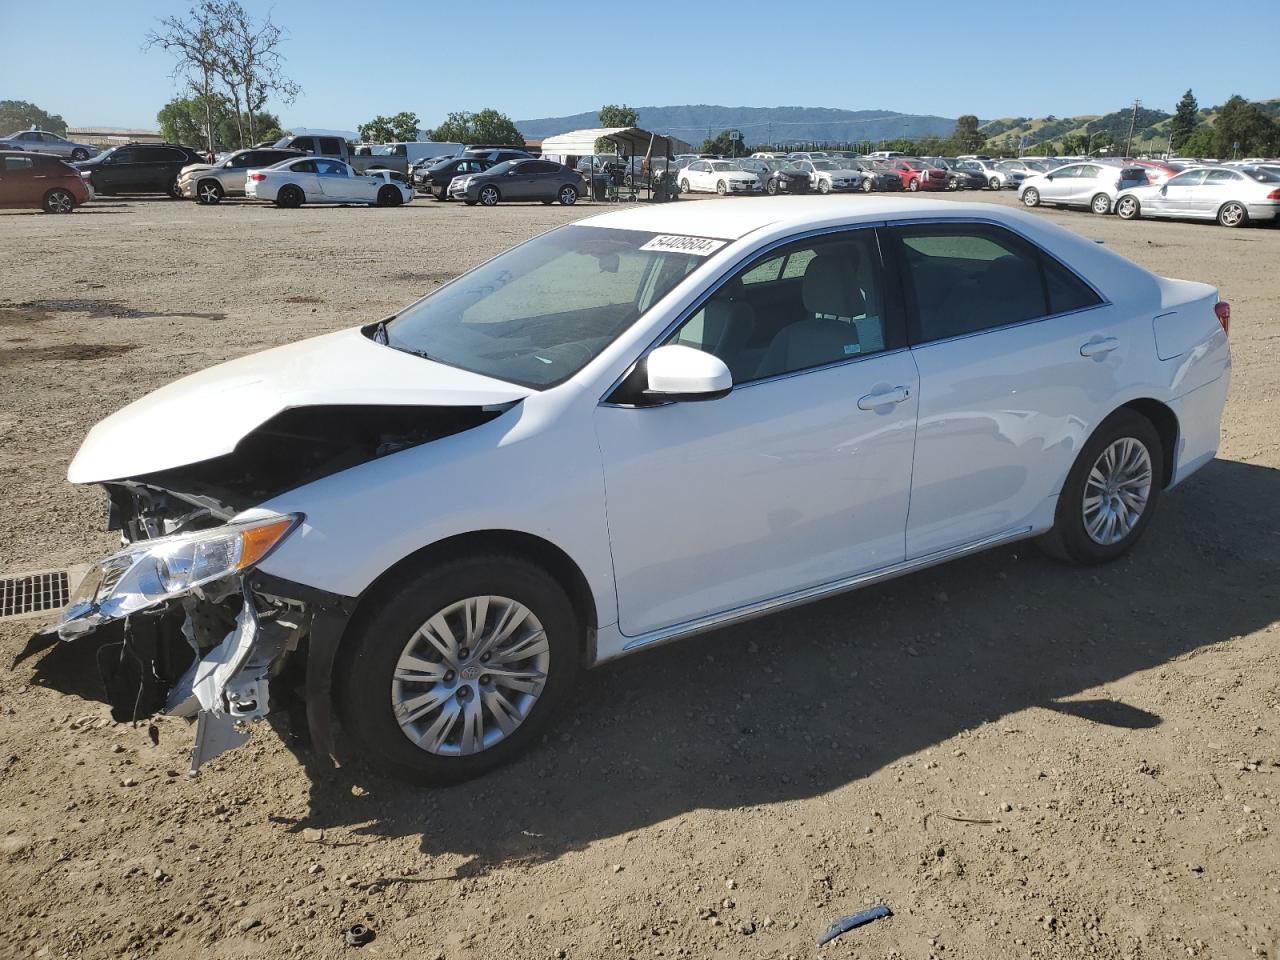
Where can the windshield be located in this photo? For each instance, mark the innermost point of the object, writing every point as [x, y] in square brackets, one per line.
[722, 166]
[540, 312]
[783, 165]
[501, 168]
[823, 165]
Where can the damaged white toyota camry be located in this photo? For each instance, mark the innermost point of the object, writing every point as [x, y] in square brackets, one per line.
[631, 429]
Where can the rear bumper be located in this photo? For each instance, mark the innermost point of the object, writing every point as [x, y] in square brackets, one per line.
[1199, 426]
[1266, 210]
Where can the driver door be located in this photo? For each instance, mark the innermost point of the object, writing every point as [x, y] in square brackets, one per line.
[797, 478]
[1177, 197]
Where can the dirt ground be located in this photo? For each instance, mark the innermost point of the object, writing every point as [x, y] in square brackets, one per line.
[1021, 759]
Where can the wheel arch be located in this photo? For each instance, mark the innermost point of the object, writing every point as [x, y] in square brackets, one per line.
[1165, 421]
[563, 568]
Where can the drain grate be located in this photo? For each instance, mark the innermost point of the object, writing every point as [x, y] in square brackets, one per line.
[33, 593]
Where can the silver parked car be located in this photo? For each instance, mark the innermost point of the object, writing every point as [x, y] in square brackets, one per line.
[1092, 185]
[1233, 197]
[209, 182]
[42, 141]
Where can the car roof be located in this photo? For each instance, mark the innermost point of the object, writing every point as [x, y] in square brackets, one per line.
[731, 221]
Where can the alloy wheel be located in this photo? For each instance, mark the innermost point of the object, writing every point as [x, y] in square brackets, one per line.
[1127, 208]
[1232, 215]
[210, 193]
[60, 201]
[1101, 204]
[1116, 491]
[1031, 197]
[470, 675]
[489, 196]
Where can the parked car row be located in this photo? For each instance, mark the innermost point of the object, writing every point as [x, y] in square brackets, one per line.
[1232, 195]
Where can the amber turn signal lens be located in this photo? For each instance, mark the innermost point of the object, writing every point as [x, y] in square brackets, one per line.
[256, 541]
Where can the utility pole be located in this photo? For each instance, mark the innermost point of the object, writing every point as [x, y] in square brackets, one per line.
[1133, 120]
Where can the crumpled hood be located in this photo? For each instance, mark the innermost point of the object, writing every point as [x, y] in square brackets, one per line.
[206, 414]
[196, 168]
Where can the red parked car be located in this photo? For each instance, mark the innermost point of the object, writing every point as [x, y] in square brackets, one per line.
[1158, 172]
[918, 175]
[39, 180]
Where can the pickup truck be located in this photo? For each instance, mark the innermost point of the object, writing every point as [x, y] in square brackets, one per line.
[339, 149]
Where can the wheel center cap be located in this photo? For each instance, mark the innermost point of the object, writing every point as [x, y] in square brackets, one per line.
[470, 672]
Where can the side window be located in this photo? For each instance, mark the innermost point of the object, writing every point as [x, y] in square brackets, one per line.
[769, 320]
[330, 168]
[1066, 173]
[1192, 178]
[17, 164]
[242, 160]
[129, 155]
[304, 166]
[1090, 172]
[331, 145]
[1222, 176]
[965, 278]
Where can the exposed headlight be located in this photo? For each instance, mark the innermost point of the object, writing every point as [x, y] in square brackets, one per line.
[152, 571]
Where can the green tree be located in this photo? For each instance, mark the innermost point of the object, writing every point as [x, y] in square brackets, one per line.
[1199, 143]
[16, 115]
[722, 145]
[619, 115]
[183, 119]
[1242, 129]
[966, 137]
[487, 126]
[403, 126]
[1184, 120]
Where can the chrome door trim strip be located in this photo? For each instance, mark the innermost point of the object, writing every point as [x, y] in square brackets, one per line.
[775, 604]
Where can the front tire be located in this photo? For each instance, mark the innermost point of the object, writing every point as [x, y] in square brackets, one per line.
[1100, 204]
[1233, 214]
[684, 186]
[489, 196]
[867, 185]
[460, 669]
[913, 185]
[59, 201]
[824, 186]
[1031, 197]
[209, 192]
[1128, 208]
[721, 188]
[1110, 493]
[771, 188]
[994, 183]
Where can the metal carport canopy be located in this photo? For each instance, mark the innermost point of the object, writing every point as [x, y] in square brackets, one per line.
[632, 141]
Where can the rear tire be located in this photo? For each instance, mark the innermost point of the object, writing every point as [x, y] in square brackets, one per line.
[1233, 214]
[289, 196]
[771, 188]
[684, 186]
[59, 201]
[1099, 517]
[393, 669]
[568, 195]
[1100, 204]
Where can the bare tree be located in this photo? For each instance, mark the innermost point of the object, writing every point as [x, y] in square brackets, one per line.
[193, 42]
[252, 65]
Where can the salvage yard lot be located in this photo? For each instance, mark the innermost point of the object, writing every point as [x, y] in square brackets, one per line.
[1022, 759]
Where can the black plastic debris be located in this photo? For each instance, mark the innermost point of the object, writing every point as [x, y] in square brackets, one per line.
[845, 924]
[359, 935]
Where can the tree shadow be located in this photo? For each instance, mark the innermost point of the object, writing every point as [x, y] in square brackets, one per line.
[804, 702]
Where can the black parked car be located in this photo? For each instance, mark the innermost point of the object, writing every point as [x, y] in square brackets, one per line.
[785, 177]
[436, 177]
[519, 180]
[497, 154]
[140, 168]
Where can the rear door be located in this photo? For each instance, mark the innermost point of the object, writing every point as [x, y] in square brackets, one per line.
[17, 184]
[1219, 186]
[999, 331]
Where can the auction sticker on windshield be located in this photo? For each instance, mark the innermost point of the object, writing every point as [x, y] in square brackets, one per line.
[671, 243]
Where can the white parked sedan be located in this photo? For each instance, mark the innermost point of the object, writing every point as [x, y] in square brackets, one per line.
[718, 176]
[631, 429]
[1233, 197]
[830, 177]
[292, 183]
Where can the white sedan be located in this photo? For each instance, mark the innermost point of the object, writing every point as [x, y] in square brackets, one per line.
[631, 429]
[717, 176]
[292, 183]
[830, 177]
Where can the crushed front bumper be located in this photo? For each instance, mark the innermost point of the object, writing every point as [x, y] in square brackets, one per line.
[224, 656]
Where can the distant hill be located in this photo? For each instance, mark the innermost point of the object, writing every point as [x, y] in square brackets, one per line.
[696, 122]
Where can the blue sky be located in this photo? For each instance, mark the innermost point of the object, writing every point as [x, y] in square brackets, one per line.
[358, 58]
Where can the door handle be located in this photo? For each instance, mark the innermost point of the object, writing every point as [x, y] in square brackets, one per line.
[885, 398]
[1099, 347]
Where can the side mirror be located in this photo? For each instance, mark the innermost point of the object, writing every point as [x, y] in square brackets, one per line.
[679, 373]
[1048, 176]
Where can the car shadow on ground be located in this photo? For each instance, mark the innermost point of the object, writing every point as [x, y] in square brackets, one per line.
[804, 702]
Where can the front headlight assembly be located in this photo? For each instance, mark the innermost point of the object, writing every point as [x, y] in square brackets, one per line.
[150, 572]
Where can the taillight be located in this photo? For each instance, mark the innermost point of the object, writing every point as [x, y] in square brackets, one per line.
[1274, 195]
[257, 177]
[1223, 310]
